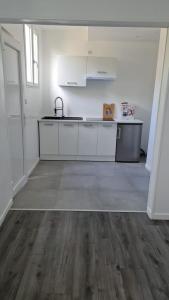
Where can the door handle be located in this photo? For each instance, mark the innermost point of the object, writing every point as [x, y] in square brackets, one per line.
[118, 133]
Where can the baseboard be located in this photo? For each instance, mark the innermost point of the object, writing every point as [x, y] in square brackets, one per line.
[77, 157]
[148, 167]
[24, 179]
[82, 210]
[2, 217]
[33, 167]
[157, 216]
[149, 212]
[19, 185]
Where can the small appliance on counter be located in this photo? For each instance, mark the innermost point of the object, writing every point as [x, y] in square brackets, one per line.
[127, 110]
[108, 112]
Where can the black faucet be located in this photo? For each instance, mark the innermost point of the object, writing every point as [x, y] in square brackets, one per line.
[60, 108]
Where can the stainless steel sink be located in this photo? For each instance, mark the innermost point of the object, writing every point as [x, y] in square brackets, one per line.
[61, 118]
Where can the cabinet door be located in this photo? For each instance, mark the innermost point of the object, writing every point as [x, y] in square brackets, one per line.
[72, 71]
[87, 142]
[49, 138]
[68, 138]
[106, 139]
[101, 68]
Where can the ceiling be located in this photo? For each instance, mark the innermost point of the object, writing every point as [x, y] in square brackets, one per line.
[112, 33]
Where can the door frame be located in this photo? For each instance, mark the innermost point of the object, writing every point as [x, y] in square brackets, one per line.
[155, 165]
[9, 41]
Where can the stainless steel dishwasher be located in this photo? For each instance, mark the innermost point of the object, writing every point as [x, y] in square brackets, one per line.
[128, 142]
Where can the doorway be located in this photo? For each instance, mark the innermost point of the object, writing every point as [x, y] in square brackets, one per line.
[100, 185]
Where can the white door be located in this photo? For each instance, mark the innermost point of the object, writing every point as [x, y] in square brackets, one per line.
[49, 138]
[14, 111]
[68, 138]
[87, 144]
[106, 139]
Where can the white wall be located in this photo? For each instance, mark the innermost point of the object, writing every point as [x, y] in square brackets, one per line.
[31, 105]
[145, 12]
[5, 171]
[135, 75]
[158, 204]
[156, 98]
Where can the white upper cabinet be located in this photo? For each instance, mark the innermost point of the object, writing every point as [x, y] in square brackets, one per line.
[72, 71]
[101, 68]
[75, 70]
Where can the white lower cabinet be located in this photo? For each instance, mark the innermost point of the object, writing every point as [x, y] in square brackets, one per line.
[68, 138]
[49, 138]
[106, 145]
[87, 142]
[77, 140]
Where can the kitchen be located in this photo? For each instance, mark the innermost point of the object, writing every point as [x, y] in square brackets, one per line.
[84, 68]
[91, 139]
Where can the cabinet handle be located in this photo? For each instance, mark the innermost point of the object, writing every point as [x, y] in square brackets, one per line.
[118, 133]
[88, 125]
[68, 124]
[72, 82]
[101, 72]
[48, 124]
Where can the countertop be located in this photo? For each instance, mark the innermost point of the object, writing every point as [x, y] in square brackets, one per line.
[97, 120]
[130, 121]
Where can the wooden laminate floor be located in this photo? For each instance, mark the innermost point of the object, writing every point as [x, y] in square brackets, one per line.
[48, 255]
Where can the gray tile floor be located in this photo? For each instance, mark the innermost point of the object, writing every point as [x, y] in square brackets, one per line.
[80, 185]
